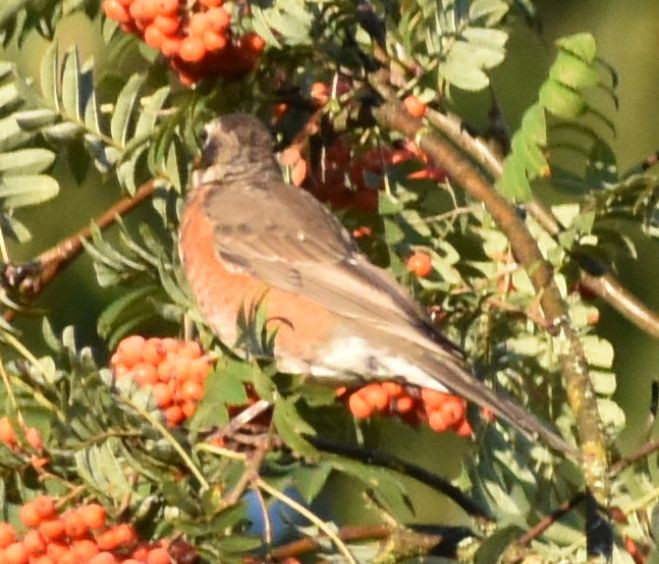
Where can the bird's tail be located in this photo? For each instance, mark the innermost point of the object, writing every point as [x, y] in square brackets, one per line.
[449, 371]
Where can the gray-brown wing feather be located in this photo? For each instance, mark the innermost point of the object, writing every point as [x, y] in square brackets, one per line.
[286, 238]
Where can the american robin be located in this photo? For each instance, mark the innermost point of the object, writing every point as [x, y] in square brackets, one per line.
[248, 238]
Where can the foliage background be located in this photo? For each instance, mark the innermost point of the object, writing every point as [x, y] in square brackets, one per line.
[626, 32]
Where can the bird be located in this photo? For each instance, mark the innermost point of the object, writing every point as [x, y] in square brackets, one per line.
[248, 239]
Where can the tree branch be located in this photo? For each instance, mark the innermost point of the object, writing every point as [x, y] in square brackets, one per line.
[581, 396]
[33, 277]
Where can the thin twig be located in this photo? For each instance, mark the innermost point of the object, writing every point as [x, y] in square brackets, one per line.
[250, 473]
[392, 462]
[645, 450]
[610, 290]
[548, 520]
[311, 517]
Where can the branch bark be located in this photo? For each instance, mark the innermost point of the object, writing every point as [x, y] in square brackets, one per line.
[581, 396]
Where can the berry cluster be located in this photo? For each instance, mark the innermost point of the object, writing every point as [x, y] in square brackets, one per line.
[174, 370]
[366, 174]
[77, 536]
[441, 411]
[196, 37]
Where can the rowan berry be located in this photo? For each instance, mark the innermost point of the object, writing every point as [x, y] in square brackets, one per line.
[153, 36]
[359, 407]
[414, 106]
[34, 543]
[453, 410]
[437, 421]
[93, 515]
[189, 349]
[320, 93]
[16, 554]
[163, 395]
[52, 529]
[188, 408]
[158, 556]
[129, 350]
[33, 438]
[144, 374]
[169, 25]
[103, 558]
[219, 19]
[253, 43]
[211, 3]
[405, 404]
[174, 415]
[45, 507]
[28, 515]
[166, 7]
[376, 396]
[464, 429]
[114, 10]
[7, 535]
[214, 41]
[420, 264]
[74, 525]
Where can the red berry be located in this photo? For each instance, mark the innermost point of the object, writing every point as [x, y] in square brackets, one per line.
[158, 556]
[74, 525]
[192, 49]
[437, 421]
[144, 374]
[29, 516]
[166, 7]
[211, 3]
[52, 529]
[376, 396]
[130, 348]
[93, 515]
[7, 435]
[415, 106]
[198, 24]
[153, 36]
[7, 535]
[34, 543]
[170, 48]
[115, 11]
[16, 554]
[420, 264]
[219, 19]
[169, 25]
[103, 558]
[359, 407]
[192, 390]
[253, 42]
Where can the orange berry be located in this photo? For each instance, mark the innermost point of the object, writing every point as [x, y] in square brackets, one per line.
[453, 410]
[44, 506]
[405, 404]
[107, 540]
[147, 11]
[199, 369]
[93, 515]
[188, 408]
[153, 36]
[166, 7]
[253, 43]
[74, 525]
[103, 558]
[34, 543]
[141, 552]
[464, 429]
[359, 407]
[16, 554]
[376, 396]
[52, 529]
[153, 351]
[362, 231]
[115, 11]
[28, 515]
[169, 25]
[182, 367]
[433, 399]
[190, 349]
[7, 535]
[130, 348]
[437, 421]
[211, 3]
[7, 435]
[219, 19]
[394, 389]
[158, 556]
[166, 370]
[55, 549]
[414, 106]
[67, 557]
[174, 415]
[278, 110]
[144, 374]
[198, 24]
[132, 561]
[125, 534]
[320, 93]
[192, 390]
[84, 549]
[214, 41]
[420, 264]
[163, 395]
[169, 344]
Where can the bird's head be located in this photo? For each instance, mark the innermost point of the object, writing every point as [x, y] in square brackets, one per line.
[233, 144]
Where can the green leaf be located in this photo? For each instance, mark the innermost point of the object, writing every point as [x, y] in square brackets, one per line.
[26, 161]
[561, 100]
[35, 119]
[492, 547]
[310, 480]
[28, 190]
[573, 72]
[124, 108]
[71, 103]
[291, 427]
[581, 44]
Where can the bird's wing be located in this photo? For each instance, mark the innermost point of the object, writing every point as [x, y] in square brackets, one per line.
[285, 237]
